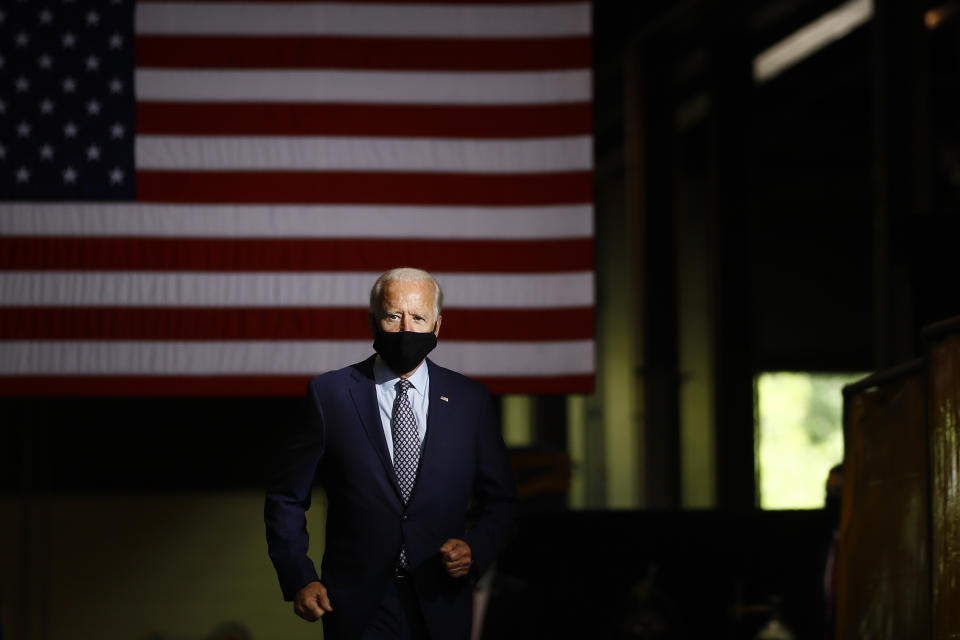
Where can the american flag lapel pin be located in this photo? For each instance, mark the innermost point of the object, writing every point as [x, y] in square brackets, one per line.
[445, 398]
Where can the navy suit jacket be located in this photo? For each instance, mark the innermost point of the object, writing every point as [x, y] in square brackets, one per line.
[339, 441]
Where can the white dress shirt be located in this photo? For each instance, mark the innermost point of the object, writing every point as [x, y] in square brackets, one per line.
[419, 396]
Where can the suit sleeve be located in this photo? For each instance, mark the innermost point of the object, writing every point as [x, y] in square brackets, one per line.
[495, 492]
[288, 497]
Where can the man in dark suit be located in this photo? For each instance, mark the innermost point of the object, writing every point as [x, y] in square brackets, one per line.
[402, 446]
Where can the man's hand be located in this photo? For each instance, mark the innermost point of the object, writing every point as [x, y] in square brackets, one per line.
[312, 602]
[456, 557]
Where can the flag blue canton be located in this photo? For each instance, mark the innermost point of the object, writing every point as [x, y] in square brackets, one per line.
[67, 103]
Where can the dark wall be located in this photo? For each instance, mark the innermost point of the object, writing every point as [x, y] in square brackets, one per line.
[811, 212]
[661, 574]
[134, 444]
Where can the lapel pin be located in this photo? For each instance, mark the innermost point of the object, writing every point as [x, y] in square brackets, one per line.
[445, 398]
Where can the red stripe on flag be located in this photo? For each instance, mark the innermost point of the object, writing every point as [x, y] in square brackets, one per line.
[539, 384]
[440, 121]
[242, 385]
[295, 254]
[153, 385]
[339, 52]
[137, 323]
[342, 187]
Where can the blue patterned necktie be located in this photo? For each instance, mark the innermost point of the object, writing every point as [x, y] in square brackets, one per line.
[406, 446]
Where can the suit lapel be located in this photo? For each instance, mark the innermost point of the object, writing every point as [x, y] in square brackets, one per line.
[437, 416]
[364, 395]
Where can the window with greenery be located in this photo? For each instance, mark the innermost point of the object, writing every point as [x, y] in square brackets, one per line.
[799, 435]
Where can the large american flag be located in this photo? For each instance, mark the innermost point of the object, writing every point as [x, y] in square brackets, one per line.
[198, 195]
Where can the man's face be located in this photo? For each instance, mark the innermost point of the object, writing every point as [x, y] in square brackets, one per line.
[408, 306]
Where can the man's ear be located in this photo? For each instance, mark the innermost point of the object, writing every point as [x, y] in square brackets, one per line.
[373, 324]
[436, 327]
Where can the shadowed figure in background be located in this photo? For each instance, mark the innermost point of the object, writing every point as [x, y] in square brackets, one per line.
[832, 502]
[401, 446]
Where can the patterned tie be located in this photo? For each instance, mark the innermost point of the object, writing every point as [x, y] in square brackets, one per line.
[406, 446]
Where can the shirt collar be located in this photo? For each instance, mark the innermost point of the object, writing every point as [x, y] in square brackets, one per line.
[384, 375]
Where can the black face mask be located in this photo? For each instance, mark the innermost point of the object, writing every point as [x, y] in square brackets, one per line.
[404, 350]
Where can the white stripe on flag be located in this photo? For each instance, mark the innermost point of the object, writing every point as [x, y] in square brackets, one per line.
[347, 221]
[277, 357]
[346, 19]
[325, 289]
[373, 87]
[319, 153]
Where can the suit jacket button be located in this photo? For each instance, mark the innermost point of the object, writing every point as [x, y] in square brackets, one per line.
[404, 517]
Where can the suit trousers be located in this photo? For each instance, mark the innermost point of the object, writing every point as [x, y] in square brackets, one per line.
[399, 616]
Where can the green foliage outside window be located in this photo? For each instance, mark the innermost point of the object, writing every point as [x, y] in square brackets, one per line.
[799, 436]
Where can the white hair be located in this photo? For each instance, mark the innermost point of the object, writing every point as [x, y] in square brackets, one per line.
[404, 274]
